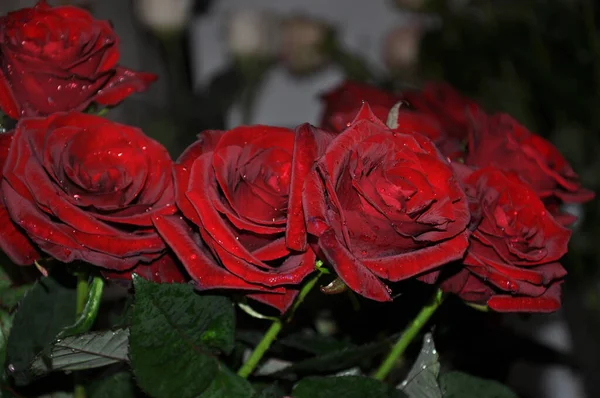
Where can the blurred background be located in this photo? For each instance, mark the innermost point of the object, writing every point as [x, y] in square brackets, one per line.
[228, 62]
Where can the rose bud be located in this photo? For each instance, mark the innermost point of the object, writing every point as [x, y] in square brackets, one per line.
[241, 192]
[83, 188]
[302, 50]
[164, 15]
[512, 260]
[384, 204]
[61, 59]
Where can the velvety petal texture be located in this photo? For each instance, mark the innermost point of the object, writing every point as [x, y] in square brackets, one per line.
[244, 228]
[512, 260]
[58, 59]
[384, 205]
[84, 188]
[500, 141]
[13, 241]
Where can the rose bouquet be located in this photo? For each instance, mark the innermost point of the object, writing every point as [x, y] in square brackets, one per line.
[419, 188]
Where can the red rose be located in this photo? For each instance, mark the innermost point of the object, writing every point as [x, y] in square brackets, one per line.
[512, 260]
[60, 59]
[84, 188]
[500, 141]
[241, 189]
[343, 103]
[384, 205]
[13, 242]
[452, 112]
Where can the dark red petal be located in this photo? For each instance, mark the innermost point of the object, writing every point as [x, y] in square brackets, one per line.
[14, 242]
[550, 301]
[314, 204]
[7, 100]
[124, 83]
[350, 270]
[198, 262]
[406, 265]
[281, 302]
[305, 153]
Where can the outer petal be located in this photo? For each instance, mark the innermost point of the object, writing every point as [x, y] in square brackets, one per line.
[350, 269]
[7, 100]
[124, 83]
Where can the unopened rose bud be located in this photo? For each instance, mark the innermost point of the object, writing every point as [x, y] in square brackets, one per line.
[302, 47]
[401, 47]
[252, 33]
[164, 15]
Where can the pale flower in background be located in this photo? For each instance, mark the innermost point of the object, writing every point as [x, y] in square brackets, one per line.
[252, 33]
[164, 15]
[302, 48]
[402, 45]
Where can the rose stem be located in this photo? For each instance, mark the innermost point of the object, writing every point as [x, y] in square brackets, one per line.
[82, 293]
[83, 297]
[408, 335]
[273, 331]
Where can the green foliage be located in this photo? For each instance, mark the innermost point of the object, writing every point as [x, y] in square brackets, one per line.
[462, 385]
[46, 309]
[344, 386]
[84, 351]
[176, 336]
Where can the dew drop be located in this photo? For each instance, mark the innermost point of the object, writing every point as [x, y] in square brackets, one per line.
[11, 368]
[76, 197]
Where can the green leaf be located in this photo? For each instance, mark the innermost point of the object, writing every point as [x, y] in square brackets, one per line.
[46, 309]
[84, 351]
[228, 385]
[422, 380]
[119, 385]
[337, 360]
[272, 391]
[175, 337]
[344, 386]
[462, 385]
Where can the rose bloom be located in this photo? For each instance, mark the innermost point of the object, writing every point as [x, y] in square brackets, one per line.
[453, 113]
[437, 111]
[241, 190]
[500, 141]
[384, 204]
[60, 59]
[83, 188]
[512, 260]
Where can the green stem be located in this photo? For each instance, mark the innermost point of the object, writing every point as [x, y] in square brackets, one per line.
[82, 292]
[408, 335]
[86, 310]
[273, 331]
[83, 289]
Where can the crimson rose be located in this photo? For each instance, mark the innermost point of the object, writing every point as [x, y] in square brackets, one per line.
[500, 141]
[512, 261]
[60, 59]
[84, 188]
[384, 205]
[241, 189]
